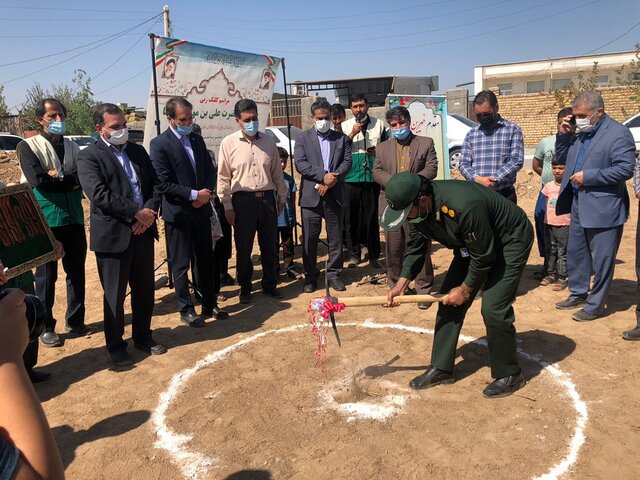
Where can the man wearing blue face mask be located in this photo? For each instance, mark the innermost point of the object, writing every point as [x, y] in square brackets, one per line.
[252, 190]
[49, 164]
[186, 180]
[404, 152]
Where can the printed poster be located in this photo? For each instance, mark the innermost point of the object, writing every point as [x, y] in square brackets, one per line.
[428, 119]
[213, 80]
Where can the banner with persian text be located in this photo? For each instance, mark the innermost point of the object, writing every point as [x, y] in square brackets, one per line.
[428, 119]
[213, 80]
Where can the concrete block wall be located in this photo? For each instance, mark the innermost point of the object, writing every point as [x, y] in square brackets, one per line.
[536, 113]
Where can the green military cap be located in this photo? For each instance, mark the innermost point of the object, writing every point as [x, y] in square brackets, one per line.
[400, 193]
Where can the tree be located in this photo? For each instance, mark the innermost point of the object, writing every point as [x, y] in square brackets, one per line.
[566, 94]
[77, 98]
[632, 77]
[4, 110]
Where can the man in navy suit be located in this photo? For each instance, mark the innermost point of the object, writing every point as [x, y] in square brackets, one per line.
[599, 160]
[323, 158]
[187, 179]
[119, 180]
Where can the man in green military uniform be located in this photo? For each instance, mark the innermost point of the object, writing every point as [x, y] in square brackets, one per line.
[491, 238]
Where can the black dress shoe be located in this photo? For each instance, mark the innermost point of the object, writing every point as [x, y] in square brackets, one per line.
[50, 339]
[309, 286]
[503, 387]
[632, 335]
[215, 312]
[121, 358]
[38, 377]
[192, 320]
[430, 378]
[151, 347]
[273, 293]
[337, 284]
[81, 331]
[375, 263]
[571, 302]
[245, 298]
[583, 316]
[353, 262]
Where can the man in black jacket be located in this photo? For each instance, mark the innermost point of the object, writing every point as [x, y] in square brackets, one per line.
[186, 180]
[119, 180]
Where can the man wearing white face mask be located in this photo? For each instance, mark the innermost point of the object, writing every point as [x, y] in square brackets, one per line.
[599, 160]
[323, 158]
[252, 190]
[119, 180]
[48, 163]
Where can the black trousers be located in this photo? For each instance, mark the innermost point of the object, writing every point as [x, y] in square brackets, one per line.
[74, 241]
[222, 250]
[190, 244]
[133, 267]
[30, 355]
[255, 214]
[311, 227]
[286, 240]
[361, 218]
[509, 193]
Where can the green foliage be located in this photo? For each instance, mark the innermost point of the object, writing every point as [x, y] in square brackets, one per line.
[629, 75]
[77, 98]
[4, 109]
[564, 96]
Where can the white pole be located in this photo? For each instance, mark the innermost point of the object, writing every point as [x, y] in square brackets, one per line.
[167, 23]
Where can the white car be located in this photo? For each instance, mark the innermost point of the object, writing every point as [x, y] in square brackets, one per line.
[83, 141]
[279, 134]
[457, 128]
[8, 141]
[634, 126]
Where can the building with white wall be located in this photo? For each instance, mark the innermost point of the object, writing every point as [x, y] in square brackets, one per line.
[553, 74]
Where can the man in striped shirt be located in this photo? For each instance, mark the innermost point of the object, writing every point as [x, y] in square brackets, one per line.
[492, 152]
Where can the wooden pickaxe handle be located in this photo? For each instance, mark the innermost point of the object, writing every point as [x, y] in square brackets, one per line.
[381, 300]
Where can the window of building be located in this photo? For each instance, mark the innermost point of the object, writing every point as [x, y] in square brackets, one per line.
[535, 86]
[633, 76]
[505, 88]
[602, 80]
[560, 83]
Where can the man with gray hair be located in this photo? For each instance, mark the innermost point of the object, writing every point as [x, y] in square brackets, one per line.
[599, 159]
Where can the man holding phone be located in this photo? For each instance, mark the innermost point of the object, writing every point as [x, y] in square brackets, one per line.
[361, 211]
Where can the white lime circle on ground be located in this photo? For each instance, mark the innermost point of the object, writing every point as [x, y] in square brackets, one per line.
[194, 464]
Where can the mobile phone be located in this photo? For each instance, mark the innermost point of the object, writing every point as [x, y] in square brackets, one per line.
[572, 121]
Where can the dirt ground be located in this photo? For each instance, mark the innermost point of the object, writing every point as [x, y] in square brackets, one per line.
[264, 411]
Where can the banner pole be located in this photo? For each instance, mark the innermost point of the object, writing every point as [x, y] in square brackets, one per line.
[286, 107]
[152, 38]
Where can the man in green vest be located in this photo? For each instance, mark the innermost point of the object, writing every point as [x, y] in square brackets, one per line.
[48, 164]
[491, 238]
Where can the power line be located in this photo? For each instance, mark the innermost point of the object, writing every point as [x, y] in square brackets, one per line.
[146, 69]
[66, 20]
[65, 60]
[617, 38]
[126, 51]
[64, 35]
[78, 48]
[56, 9]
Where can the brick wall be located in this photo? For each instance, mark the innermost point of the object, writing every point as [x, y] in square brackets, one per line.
[536, 112]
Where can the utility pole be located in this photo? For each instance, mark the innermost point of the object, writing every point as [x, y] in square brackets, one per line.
[167, 23]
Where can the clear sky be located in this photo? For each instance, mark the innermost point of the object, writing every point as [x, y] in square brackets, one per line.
[320, 40]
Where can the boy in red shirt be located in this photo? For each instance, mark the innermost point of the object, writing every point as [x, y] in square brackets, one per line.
[559, 231]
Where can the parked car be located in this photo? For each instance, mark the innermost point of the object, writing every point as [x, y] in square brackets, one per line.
[8, 141]
[457, 128]
[83, 141]
[279, 134]
[634, 126]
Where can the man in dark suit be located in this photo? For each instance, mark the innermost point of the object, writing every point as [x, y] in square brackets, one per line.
[404, 152]
[323, 158]
[187, 179]
[599, 160]
[118, 178]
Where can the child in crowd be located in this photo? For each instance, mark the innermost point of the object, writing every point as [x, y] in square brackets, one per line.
[287, 219]
[558, 226]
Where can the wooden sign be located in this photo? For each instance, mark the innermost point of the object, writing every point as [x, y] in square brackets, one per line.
[26, 240]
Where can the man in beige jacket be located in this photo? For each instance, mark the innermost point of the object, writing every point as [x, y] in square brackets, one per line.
[404, 152]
